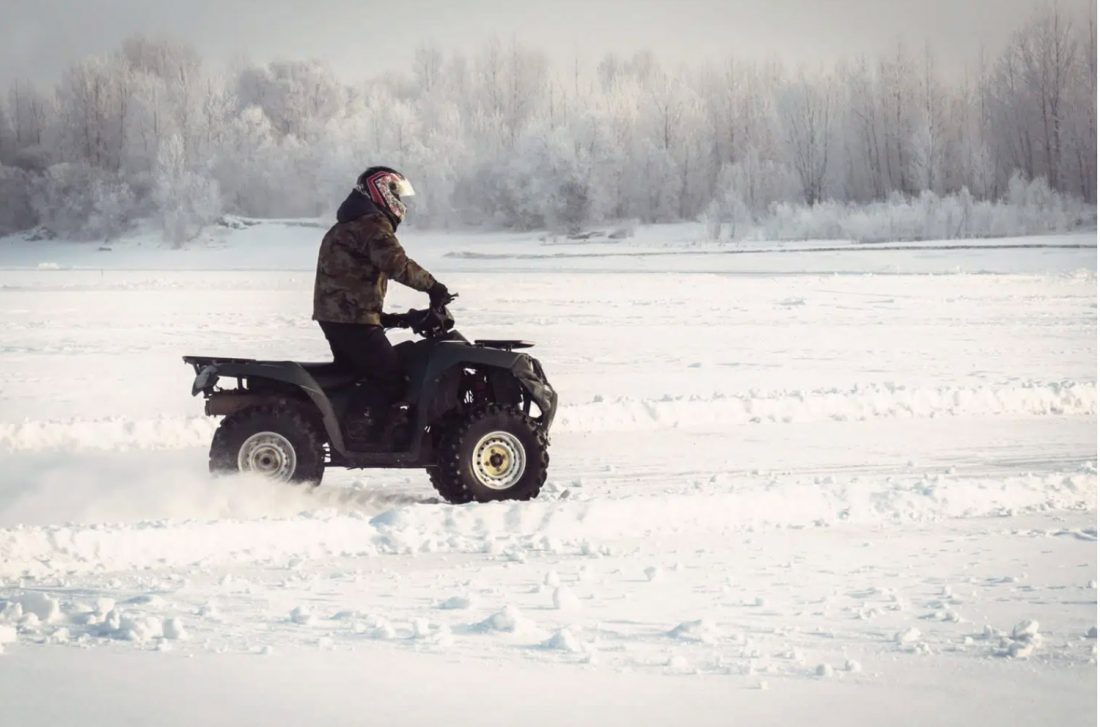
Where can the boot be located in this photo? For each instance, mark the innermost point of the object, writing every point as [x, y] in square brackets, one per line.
[364, 431]
[398, 427]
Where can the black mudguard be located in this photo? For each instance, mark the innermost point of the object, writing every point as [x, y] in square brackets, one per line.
[209, 370]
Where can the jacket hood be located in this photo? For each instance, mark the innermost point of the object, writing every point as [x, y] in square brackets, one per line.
[359, 205]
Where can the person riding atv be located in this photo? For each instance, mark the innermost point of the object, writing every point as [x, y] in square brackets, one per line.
[358, 256]
[476, 415]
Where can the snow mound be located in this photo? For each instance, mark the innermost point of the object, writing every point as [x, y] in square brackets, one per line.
[565, 599]
[42, 606]
[702, 631]
[1023, 641]
[131, 627]
[908, 636]
[426, 632]
[302, 615]
[173, 629]
[456, 603]
[563, 640]
[507, 620]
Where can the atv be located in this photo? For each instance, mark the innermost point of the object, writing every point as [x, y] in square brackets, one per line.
[476, 415]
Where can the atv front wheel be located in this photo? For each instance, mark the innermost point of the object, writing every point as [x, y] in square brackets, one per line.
[278, 442]
[492, 454]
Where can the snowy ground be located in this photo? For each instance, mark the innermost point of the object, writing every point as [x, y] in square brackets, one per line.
[852, 486]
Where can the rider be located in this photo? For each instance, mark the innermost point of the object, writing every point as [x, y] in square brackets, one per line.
[359, 254]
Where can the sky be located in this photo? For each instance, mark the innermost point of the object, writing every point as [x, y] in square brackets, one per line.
[361, 38]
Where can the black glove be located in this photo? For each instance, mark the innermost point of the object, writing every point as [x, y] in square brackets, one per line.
[395, 320]
[439, 295]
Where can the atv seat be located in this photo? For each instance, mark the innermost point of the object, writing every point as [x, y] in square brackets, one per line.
[329, 375]
[326, 374]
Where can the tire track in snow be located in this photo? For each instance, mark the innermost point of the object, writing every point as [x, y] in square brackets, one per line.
[366, 528]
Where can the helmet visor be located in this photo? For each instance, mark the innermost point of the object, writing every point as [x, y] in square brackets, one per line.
[403, 188]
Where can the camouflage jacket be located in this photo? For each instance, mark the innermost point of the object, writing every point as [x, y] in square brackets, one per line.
[358, 256]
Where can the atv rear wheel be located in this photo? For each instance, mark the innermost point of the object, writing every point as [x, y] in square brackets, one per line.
[279, 442]
[492, 454]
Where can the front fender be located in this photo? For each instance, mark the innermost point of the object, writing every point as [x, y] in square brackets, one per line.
[529, 372]
[447, 355]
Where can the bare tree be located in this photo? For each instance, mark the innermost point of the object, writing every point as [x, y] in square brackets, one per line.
[28, 110]
[806, 109]
[427, 68]
[1047, 50]
[896, 99]
[866, 112]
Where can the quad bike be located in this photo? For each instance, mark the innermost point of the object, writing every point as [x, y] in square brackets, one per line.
[476, 415]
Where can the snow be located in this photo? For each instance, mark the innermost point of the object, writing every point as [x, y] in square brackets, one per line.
[908, 636]
[40, 605]
[564, 640]
[302, 615]
[456, 603]
[507, 620]
[565, 599]
[174, 630]
[701, 630]
[876, 505]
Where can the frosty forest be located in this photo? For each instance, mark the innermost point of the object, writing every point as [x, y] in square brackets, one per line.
[888, 147]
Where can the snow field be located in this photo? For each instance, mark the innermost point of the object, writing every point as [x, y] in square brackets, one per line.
[787, 487]
[826, 615]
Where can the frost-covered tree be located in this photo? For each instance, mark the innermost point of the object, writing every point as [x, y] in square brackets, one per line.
[81, 201]
[806, 110]
[29, 113]
[499, 136]
[7, 136]
[16, 212]
[929, 141]
[185, 200]
[298, 97]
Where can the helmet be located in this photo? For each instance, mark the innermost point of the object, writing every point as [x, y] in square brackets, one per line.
[385, 187]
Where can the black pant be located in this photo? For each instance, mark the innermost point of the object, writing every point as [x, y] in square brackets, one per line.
[366, 351]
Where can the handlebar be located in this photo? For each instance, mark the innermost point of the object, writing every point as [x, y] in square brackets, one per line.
[430, 322]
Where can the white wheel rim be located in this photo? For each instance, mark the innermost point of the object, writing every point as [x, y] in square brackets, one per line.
[499, 460]
[269, 454]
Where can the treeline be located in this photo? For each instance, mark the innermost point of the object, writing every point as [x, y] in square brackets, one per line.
[501, 138]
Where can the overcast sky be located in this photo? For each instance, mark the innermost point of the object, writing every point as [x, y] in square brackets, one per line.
[360, 38]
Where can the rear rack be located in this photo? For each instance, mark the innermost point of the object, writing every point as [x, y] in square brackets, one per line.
[199, 361]
[502, 343]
